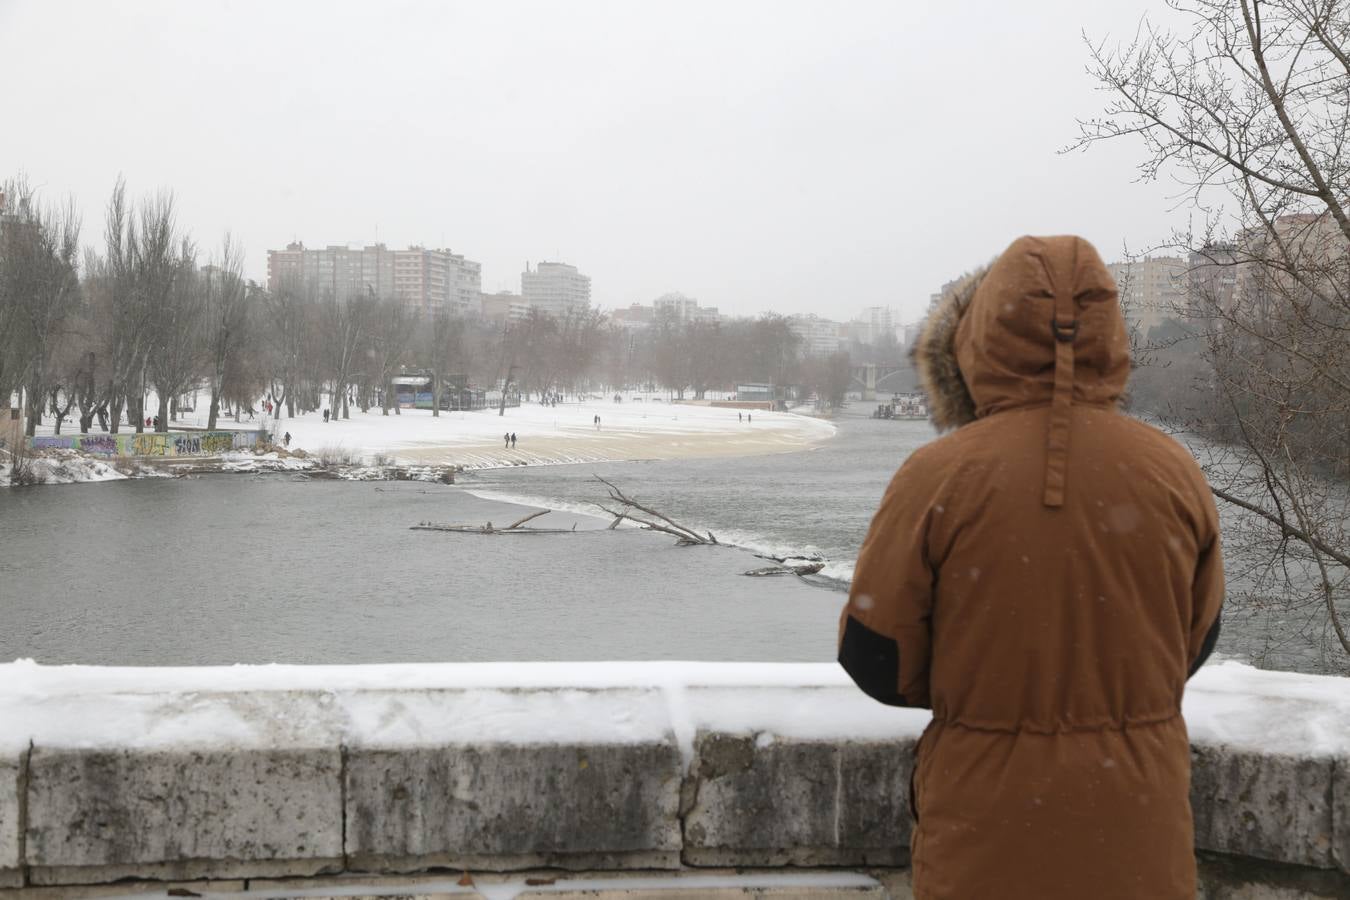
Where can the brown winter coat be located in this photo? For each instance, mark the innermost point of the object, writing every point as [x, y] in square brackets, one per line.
[1045, 578]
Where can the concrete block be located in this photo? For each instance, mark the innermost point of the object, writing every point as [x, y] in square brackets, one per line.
[439, 895]
[1266, 806]
[898, 883]
[11, 766]
[1223, 877]
[1340, 813]
[875, 892]
[124, 889]
[499, 807]
[788, 802]
[101, 815]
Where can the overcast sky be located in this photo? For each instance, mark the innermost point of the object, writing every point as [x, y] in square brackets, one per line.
[802, 157]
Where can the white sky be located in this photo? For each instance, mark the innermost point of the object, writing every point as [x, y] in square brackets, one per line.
[796, 156]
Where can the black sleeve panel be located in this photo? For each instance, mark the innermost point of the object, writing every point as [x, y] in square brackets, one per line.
[873, 662]
[1207, 646]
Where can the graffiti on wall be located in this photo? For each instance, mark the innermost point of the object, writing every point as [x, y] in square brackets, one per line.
[99, 444]
[150, 445]
[55, 442]
[174, 443]
[217, 442]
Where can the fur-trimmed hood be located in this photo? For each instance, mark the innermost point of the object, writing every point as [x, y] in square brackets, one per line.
[988, 345]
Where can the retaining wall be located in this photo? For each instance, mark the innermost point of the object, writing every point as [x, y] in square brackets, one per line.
[173, 443]
[271, 772]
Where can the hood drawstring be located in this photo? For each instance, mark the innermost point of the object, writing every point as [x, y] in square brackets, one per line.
[1064, 326]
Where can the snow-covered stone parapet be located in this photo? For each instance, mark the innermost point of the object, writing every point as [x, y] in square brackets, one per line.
[268, 771]
[1270, 763]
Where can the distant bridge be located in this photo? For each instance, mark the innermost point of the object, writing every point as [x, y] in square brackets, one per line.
[872, 379]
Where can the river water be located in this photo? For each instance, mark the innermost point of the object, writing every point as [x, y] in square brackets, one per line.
[262, 569]
[821, 501]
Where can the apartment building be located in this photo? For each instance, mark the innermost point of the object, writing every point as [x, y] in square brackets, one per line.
[504, 307]
[428, 280]
[820, 337]
[1151, 289]
[555, 288]
[873, 324]
[679, 308]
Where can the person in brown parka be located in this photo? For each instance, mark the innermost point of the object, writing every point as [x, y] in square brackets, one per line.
[1045, 578]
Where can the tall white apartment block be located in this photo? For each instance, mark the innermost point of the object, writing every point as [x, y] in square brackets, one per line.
[555, 288]
[873, 324]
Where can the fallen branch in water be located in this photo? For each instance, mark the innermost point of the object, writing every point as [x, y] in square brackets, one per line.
[807, 569]
[653, 521]
[516, 527]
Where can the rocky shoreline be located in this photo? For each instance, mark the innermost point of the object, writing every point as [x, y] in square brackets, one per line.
[72, 467]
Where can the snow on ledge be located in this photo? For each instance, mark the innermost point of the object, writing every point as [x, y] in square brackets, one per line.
[531, 702]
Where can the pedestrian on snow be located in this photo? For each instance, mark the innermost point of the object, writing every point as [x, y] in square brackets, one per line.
[740, 417]
[508, 441]
[286, 439]
[1045, 579]
[325, 417]
[513, 440]
[749, 417]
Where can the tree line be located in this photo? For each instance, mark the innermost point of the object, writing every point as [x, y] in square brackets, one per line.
[88, 335]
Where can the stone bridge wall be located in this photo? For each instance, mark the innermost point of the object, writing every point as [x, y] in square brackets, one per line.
[271, 772]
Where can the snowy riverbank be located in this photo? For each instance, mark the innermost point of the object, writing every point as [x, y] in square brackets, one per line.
[552, 435]
[545, 435]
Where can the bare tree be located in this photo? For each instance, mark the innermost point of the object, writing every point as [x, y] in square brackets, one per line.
[176, 328]
[120, 315]
[346, 330]
[144, 258]
[390, 335]
[227, 320]
[1249, 107]
[40, 283]
[287, 319]
[443, 351]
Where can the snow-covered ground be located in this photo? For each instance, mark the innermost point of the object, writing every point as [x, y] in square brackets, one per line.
[646, 428]
[68, 467]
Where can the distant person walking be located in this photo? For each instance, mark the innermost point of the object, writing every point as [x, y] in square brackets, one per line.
[513, 440]
[508, 441]
[740, 417]
[1045, 579]
[749, 417]
[286, 439]
[325, 417]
